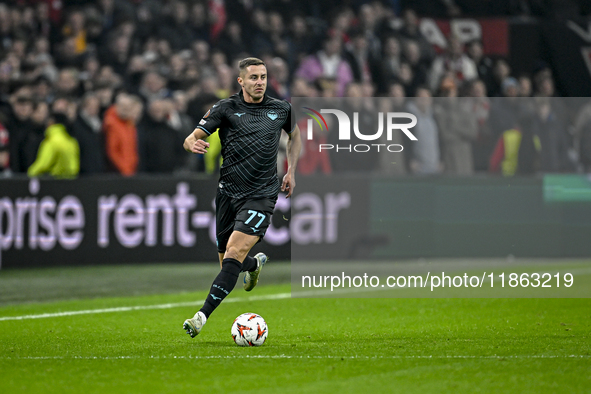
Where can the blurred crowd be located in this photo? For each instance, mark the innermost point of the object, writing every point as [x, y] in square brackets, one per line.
[91, 87]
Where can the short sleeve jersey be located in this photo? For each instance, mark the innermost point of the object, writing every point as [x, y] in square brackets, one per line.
[249, 133]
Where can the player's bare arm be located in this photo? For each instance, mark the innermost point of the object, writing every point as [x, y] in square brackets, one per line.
[195, 142]
[294, 148]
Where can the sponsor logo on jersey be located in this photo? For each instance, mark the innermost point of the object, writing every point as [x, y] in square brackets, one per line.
[239, 114]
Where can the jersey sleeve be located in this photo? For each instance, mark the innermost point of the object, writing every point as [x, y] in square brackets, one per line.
[289, 125]
[212, 119]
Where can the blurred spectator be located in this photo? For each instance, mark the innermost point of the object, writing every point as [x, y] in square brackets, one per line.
[424, 154]
[313, 160]
[300, 40]
[363, 62]
[87, 129]
[39, 120]
[95, 34]
[525, 86]
[327, 63]
[585, 146]
[182, 123]
[178, 118]
[4, 152]
[548, 127]
[368, 21]
[278, 79]
[484, 64]
[116, 53]
[121, 134]
[505, 111]
[176, 74]
[198, 106]
[23, 141]
[176, 28]
[89, 73]
[68, 83]
[43, 25]
[539, 143]
[341, 24]
[410, 30]
[458, 129]
[581, 133]
[510, 87]
[212, 159]
[277, 35]
[106, 75]
[227, 81]
[105, 93]
[42, 61]
[396, 101]
[231, 40]
[407, 79]
[136, 68]
[43, 90]
[545, 87]
[453, 61]
[67, 54]
[506, 155]
[367, 122]
[199, 21]
[75, 28]
[501, 71]
[412, 56]
[484, 142]
[59, 154]
[390, 63]
[153, 87]
[113, 13]
[259, 38]
[161, 146]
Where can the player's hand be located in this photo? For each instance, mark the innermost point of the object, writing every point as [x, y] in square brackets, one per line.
[288, 184]
[200, 146]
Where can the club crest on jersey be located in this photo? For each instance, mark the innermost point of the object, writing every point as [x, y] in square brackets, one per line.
[272, 115]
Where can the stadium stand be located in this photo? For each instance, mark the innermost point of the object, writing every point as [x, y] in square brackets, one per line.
[163, 51]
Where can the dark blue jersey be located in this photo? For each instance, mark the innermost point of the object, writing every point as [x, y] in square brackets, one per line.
[250, 140]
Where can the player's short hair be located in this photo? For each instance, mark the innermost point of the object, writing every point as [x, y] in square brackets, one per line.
[249, 61]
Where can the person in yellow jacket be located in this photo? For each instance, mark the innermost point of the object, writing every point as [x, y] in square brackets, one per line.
[213, 156]
[59, 153]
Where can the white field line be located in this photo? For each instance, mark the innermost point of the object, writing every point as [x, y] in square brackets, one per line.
[144, 307]
[287, 356]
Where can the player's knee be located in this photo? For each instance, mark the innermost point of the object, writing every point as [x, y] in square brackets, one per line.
[235, 252]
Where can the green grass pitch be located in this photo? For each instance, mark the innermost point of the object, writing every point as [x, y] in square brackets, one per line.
[118, 330]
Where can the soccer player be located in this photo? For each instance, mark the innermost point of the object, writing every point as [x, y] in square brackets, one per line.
[249, 124]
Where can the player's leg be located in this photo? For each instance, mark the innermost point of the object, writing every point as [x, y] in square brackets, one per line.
[253, 218]
[251, 221]
[225, 216]
[237, 249]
